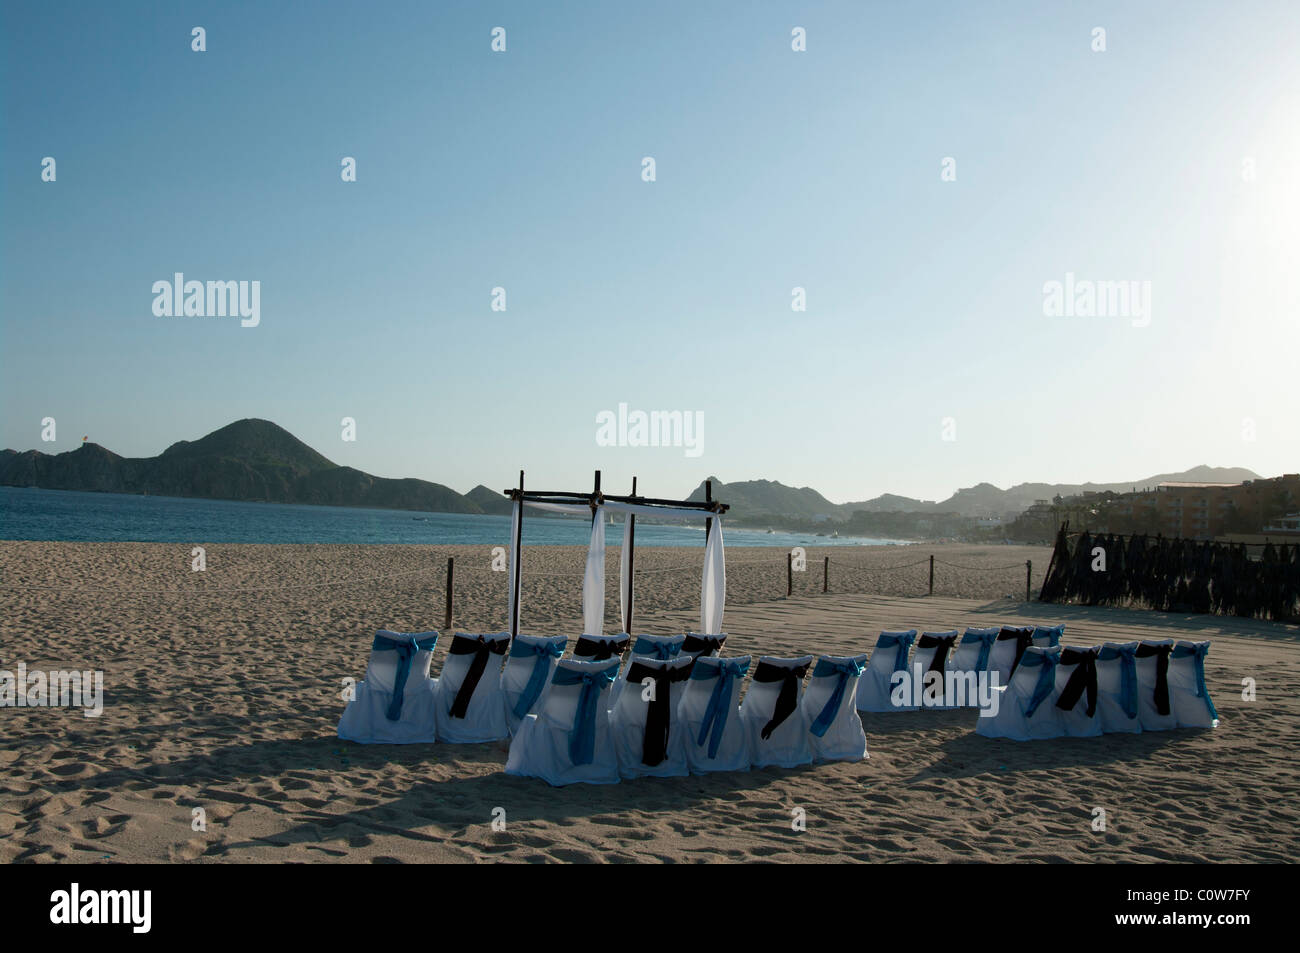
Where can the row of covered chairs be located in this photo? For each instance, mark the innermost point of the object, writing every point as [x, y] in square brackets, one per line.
[675, 709]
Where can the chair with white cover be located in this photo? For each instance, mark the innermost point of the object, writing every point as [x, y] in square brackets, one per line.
[698, 645]
[1077, 692]
[933, 653]
[1117, 688]
[1154, 710]
[709, 711]
[567, 739]
[830, 706]
[1027, 707]
[774, 723]
[970, 659]
[1047, 636]
[889, 656]
[1008, 649]
[1188, 695]
[658, 647]
[395, 703]
[471, 705]
[648, 736]
[598, 648]
[527, 673]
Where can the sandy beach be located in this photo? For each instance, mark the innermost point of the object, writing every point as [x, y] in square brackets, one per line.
[222, 692]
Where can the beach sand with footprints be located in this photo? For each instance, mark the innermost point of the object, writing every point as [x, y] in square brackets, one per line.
[221, 691]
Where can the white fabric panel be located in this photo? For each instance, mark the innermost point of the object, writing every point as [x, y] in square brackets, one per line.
[788, 746]
[668, 512]
[593, 581]
[844, 739]
[365, 719]
[733, 748]
[572, 509]
[713, 585]
[485, 718]
[627, 721]
[540, 748]
[512, 608]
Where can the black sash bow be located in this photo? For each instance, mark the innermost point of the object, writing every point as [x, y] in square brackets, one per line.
[942, 644]
[654, 744]
[1161, 652]
[1024, 636]
[788, 699]
[480, 648]
[703, 644]
[1084, 677]
[599, 650]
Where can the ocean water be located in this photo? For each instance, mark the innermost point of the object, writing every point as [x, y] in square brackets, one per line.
[73, 516]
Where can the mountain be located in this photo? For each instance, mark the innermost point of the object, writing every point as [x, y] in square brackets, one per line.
[760, 499]
[489, 501]
[246, 460]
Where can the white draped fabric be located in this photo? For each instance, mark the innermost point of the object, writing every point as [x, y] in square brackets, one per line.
[713, 583]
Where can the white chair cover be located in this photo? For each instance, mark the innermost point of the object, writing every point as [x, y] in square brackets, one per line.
[970, 660]
[527, 673]
[1188, 695]
[1027, 709]
[658, 647]
[1047, 636]
[774, 722]
[395, 702]
[648, 737]
[1117, 688]
[567, 740]
[713, 735]
[697, 645]
[830, 705]
[1077, 692]
[1007, 650]
[933, 653]
[1154, 710]
[889, 656]
[471, 706]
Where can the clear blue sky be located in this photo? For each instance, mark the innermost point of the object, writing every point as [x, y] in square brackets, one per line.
[776, 169]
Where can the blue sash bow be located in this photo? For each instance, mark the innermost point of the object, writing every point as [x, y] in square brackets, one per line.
[1128, 677]
[582, 737]
[544, 652]
[986, 638]
[661, 650]
[1197, 652]
[844, 669]
[901, 639]
[1046, 678]
[1051, 633]
[405, 646]
[715, 715]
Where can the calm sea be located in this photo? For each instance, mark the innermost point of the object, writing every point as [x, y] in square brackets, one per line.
[73, 516]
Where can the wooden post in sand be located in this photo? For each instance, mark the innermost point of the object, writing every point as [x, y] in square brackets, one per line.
[519, 554]
[1029, 575]
[451, 591]
[932, 575]
[789, 575]
[826, 574]
[629, 527]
